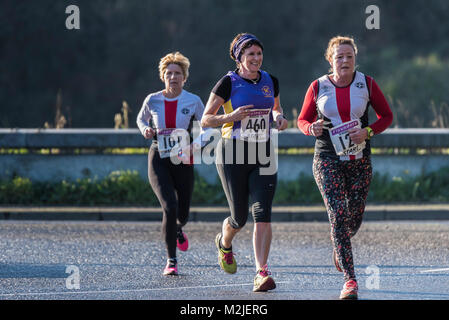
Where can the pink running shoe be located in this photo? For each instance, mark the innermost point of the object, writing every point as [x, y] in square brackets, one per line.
[171, 269]
[349, 291]
[181, 241]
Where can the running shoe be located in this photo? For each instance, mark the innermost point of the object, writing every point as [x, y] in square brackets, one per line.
[226, 258]
[171, 269]
[181, 241]
[263, 280]
[349, 291]
[335, 260]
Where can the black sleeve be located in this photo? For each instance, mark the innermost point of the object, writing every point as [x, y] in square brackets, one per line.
[223, 88]
[275, 85]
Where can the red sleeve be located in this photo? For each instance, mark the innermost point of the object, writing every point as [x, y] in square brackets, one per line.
[380, 105]
[308, 112]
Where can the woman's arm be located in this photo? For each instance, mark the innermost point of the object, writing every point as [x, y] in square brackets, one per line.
[383, 113]
[210, 117]
[143, 120]
[282, 123]
[380, 105]
[308, 112]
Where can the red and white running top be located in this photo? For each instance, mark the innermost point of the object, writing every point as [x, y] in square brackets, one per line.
[337, 105]
[164, 113]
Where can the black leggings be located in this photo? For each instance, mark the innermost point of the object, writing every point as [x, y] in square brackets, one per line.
[239, 181]
[173, 186]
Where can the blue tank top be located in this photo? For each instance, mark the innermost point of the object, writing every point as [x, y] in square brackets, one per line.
[261, 95]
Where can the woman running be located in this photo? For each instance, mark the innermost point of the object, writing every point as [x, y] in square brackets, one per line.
[250, 99]
[167, 117]
[335, 111]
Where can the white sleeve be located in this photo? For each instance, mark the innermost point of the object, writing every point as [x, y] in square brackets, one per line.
[199, 110]
[205, 134]
[144, 116]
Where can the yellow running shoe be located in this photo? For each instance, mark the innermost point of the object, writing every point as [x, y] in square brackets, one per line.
[263, 280]
[226, 258]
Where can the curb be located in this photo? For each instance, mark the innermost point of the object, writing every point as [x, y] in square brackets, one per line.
[206, 214]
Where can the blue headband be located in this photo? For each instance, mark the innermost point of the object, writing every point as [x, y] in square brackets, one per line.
[239, 44]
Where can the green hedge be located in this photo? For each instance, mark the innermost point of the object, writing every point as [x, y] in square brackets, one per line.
[128, 188]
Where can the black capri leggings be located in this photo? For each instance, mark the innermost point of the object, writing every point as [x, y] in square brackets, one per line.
[173, 186]
[242, 177]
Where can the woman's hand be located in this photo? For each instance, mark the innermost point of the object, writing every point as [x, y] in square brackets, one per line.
[358, 135]
[149, 133]
[184, 154]
[240, 113]
[281, 122]
[316, 128]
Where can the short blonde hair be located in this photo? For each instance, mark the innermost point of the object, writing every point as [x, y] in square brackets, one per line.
[336, 41]
[174, 58]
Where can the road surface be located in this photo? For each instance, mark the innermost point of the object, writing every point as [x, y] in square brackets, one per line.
[72, 260]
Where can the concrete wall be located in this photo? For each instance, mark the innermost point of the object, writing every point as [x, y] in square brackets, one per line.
[59, 167]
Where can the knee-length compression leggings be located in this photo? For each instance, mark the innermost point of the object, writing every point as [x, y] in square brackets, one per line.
[245, 180]
[344, 187]
[173, 186]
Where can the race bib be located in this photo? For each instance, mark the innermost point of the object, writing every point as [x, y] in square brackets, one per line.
[343, 145]
[169, 138]
[256, 127]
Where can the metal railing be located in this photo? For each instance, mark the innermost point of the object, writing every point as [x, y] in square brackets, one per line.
[131, 138]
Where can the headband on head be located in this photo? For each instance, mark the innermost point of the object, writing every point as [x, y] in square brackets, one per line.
[240, 43]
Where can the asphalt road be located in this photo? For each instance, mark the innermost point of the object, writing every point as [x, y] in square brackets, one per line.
[124, 260]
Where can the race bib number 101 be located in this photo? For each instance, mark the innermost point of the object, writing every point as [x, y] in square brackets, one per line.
[169, 138]
[343, 145]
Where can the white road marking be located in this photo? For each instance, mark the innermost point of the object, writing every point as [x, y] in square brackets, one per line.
[434, 270]
[124, 291]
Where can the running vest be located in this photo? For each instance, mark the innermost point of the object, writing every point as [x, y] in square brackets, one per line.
[342, 105]
[261, 95]
[166, 114]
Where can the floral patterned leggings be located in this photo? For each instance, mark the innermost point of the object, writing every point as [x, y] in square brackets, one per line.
[344, 187]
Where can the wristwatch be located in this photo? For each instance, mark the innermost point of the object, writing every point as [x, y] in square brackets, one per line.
[282, 116]
[370, 132]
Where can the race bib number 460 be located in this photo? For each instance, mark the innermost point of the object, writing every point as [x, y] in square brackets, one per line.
[256, 127]
[343, 145]
[168, 138]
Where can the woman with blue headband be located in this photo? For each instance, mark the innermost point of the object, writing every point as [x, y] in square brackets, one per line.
[245, 154]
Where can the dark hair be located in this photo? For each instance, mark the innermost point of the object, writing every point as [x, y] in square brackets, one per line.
[247, 45]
